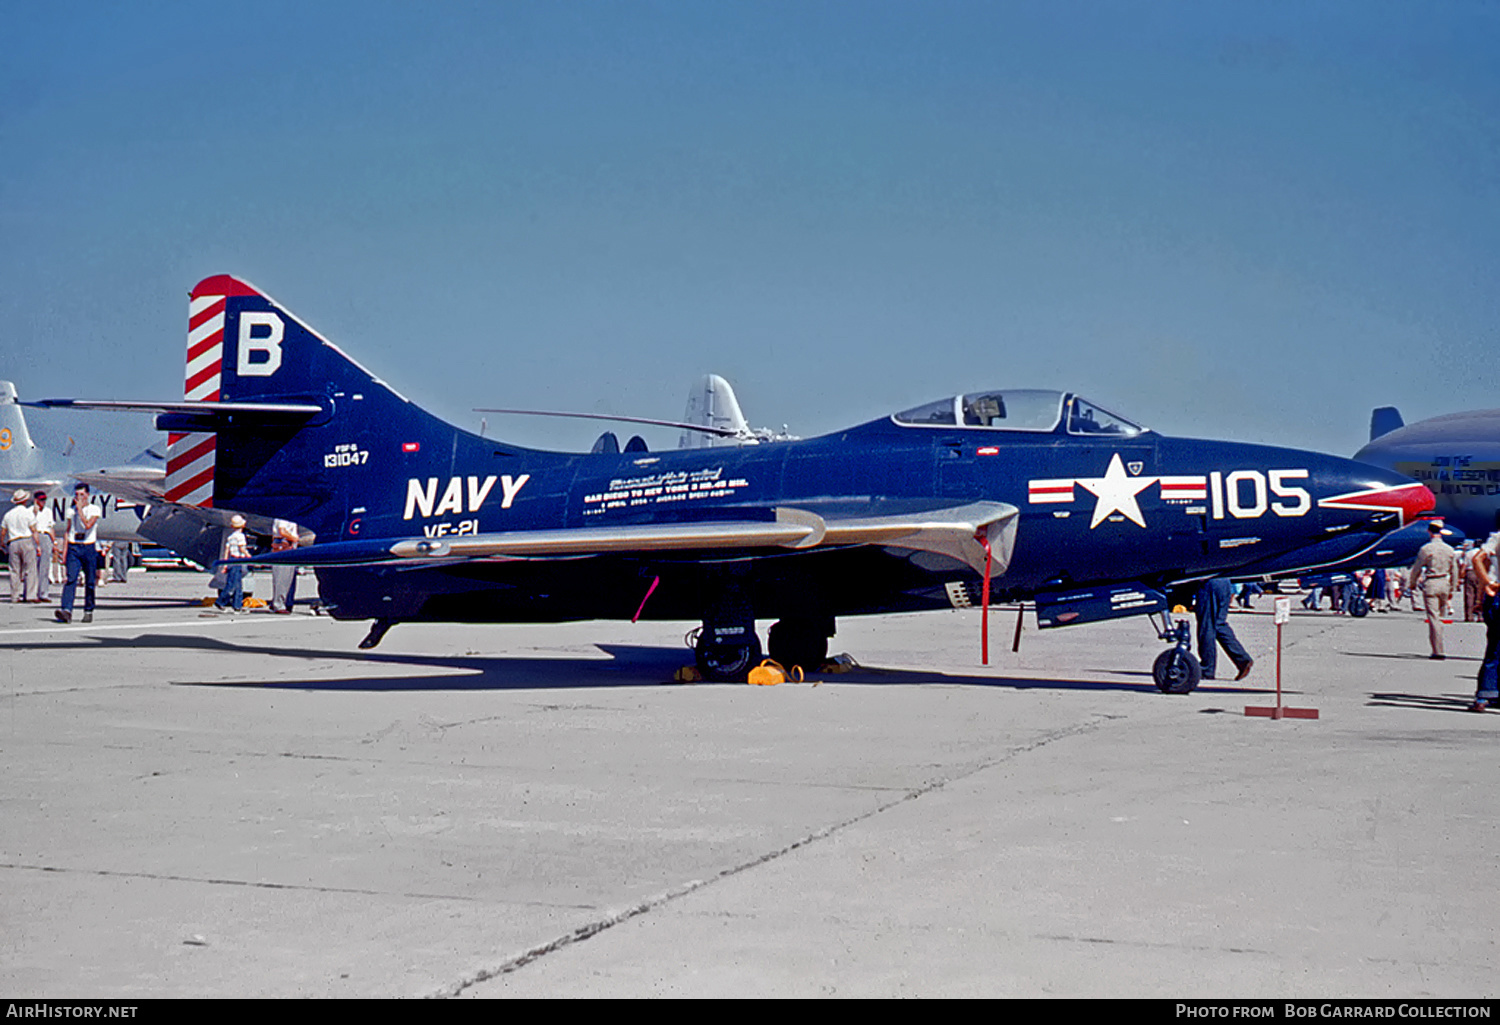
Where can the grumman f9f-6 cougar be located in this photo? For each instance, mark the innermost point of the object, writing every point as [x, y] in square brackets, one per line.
[992, 494]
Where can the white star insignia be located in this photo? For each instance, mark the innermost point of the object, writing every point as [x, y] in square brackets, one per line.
[1116, 492]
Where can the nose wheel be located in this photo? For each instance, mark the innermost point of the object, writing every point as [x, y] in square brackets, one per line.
[1176, 670]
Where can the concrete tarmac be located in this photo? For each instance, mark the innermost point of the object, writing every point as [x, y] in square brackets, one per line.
[250, 806]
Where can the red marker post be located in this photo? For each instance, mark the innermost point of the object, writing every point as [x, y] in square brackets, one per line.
[1280, 711]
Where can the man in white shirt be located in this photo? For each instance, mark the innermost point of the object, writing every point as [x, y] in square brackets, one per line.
[285, 536]
[18, 533]
[46, 538]
[82, 535]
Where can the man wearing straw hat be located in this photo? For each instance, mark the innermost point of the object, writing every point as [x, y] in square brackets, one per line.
[18, 532]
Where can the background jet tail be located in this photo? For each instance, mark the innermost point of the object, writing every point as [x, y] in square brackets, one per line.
[1384, 420]
[711, 402]
[20, 462]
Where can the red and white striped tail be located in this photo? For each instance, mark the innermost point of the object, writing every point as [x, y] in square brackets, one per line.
[191, 457]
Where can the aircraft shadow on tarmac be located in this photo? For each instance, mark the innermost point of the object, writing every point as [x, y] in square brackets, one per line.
[1423, 702]
[1407, 656]
[626, 666]
[141, 601]
[107, 601]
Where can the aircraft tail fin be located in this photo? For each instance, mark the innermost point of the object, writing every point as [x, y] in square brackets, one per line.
[311, 468]
[1384, 420]
[224, 309]
[19, 458]
[711, 402]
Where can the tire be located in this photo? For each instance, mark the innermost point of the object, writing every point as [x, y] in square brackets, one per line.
[726, 662]
[1359, 606]
[795, 643]
[1176, 672]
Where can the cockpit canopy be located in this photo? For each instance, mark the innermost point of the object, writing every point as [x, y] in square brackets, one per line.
[1020, 409]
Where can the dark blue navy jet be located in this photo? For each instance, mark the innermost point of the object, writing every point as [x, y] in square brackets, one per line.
[992, 495]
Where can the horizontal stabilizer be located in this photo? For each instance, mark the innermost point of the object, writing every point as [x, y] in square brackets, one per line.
[144, 484]
[290, 411]
[30, 484]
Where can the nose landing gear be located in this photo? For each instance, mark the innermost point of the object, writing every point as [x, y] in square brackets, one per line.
[1176, 670]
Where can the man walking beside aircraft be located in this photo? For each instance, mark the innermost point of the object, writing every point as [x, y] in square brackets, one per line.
[1432, 578]
[1487, 562]
[1212, 608]
[82, 535]
[18, 533]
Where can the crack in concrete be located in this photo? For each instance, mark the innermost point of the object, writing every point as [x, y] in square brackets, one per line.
[591, 929]
[263, 885]
[85, 688]
[1146, 945]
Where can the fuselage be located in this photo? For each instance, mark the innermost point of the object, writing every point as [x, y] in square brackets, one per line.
[1092, 510]
[416, 519]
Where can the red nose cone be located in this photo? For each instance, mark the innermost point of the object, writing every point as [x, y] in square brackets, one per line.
[1410, 500]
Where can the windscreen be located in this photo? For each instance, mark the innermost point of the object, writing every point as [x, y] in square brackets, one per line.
[1084, 417]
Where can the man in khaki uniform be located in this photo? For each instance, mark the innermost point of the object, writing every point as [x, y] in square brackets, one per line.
[1432, 577]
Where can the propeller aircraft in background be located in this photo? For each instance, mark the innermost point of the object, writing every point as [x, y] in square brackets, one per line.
[1456, 455]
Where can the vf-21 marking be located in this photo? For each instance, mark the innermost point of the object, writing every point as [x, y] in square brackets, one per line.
[952, 502]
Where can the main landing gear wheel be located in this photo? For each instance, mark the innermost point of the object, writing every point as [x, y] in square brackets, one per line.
[728, 657]
[1176, 672]
[796, 643]
[1359, 606]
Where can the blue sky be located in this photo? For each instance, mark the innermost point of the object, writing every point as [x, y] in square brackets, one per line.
[1237, 220]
